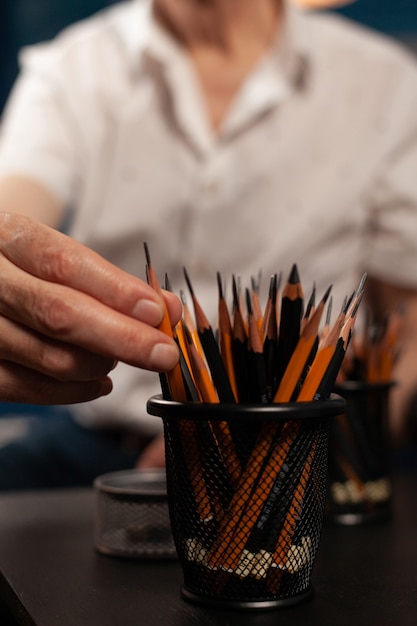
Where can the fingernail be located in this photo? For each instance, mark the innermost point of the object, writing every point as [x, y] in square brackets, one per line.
[148, 312]
[163, 357]
[106, 386]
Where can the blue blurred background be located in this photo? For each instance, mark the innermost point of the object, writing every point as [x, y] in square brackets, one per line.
[27, 21]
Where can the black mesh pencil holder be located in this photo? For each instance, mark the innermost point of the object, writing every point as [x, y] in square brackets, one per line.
[132, 517]
[360, 489]
[246, 493]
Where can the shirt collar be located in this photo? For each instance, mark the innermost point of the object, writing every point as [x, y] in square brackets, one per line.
[276, 77]
[140, 33]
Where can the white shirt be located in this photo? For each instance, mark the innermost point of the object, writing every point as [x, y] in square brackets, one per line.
[316, 162]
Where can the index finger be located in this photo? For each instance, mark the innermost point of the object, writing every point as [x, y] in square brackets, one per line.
[57, 258]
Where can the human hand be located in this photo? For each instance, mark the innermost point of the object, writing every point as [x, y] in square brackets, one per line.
[67, 316]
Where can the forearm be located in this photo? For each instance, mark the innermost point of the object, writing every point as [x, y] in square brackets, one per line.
[23, 195]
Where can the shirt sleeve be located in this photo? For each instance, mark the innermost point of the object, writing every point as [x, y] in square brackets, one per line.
[39, 136]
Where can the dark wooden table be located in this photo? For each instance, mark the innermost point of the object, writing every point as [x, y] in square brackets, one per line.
[50, 574]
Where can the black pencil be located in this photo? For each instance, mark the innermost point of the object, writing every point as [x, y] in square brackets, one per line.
[239, 347]
[290, 320]
[211, 349]
[225, 338]
[257, 372]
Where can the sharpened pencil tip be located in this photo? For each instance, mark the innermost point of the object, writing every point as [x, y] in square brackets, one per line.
[329, 310]
[327, 293]
[348, 303]
[147, 255]
[311, 302]
[167, 283]
[256, 282]
[249, 302]
[272, 282]
[235, 292]
[187, 334]
[294, 276]
[362, 282]
[220, 286]
[188, 281]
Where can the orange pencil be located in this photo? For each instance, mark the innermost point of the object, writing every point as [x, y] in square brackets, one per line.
[328, 377]
[174, 377]
[220, 429]
[256, 306]
[200, 372]
[309, 308]
[225, 338]
[285, 538]
[301, 353]
[326, 327]
[211, 349]
[255, 485]
[321, 362]
[256, 361]
[189, 322]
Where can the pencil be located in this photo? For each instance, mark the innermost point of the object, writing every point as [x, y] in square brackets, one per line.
[257, 310]
[211, 349]
[257, 373]
[266, 530]
[309, 308]
[225, 339]
[290, 320]
[189, 322]
[174, 376]
[185, 365]
[333, 357]
[239, 348]
[201, 375]
[270, 342]
[326, 327]
[189, 441]
[321, 361]
[301, 353]
[255, 484]
[290, 523]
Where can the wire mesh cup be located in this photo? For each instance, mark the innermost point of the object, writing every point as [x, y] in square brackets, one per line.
[132, 517]
[360, 488]
[246, 493]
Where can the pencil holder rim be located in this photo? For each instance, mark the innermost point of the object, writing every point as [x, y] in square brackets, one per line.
[114, 485]
[316, 409]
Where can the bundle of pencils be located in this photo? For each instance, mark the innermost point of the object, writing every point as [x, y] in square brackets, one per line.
[358, 460]
[373, 351]
[359, 466]
[275, 354]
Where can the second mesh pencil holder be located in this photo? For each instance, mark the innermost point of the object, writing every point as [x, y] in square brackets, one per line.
[359, 455]
[132, 518]
[246, 492]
